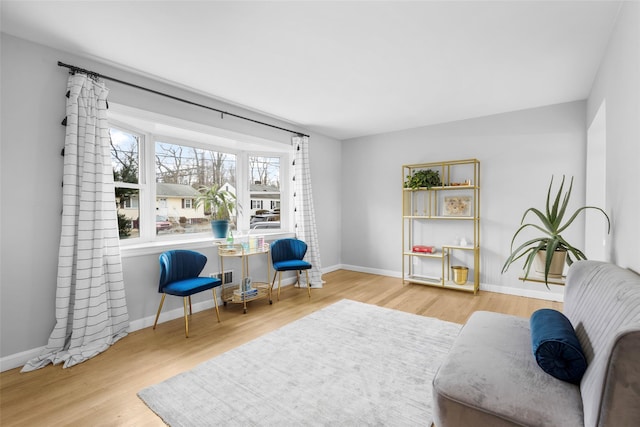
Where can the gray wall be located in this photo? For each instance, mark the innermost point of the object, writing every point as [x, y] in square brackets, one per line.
[33, 105]
[618, 85]
[518, 153]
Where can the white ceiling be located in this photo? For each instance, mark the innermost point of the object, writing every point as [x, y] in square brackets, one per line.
[344, 69]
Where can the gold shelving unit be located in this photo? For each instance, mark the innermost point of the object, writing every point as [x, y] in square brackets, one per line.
[447, 218]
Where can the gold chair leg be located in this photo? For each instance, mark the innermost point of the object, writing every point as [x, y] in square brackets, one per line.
[279, 282]
[273, 282]
[186, 318]
[159, 309]
[308, 283]
[298, 279]
[215, 303]
[190, 309]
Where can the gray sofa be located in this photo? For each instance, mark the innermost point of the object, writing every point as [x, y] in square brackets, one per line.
[491, 377]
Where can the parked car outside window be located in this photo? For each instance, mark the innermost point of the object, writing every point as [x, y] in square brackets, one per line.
[265, 218]
[162, 223]
[265, 224]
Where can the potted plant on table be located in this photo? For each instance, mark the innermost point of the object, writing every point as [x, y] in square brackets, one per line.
[218, 204]
[551, 249]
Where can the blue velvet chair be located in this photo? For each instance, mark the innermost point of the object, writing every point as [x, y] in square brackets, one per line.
[287, 255]
[179, 276]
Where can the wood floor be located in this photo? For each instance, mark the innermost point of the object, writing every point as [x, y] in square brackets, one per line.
[102, 390]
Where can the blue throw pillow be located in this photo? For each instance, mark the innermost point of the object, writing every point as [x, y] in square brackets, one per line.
[556, 346]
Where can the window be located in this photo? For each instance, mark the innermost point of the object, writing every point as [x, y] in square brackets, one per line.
[158, 178]
[181, 172]
[130, 202]
[264, 175]
[125, 160]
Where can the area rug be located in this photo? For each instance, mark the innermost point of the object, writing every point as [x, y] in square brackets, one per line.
[348, 364]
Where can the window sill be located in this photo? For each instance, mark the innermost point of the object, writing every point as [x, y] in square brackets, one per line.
[159, 246]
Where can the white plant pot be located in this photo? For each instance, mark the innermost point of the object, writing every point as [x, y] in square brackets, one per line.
[557, 263]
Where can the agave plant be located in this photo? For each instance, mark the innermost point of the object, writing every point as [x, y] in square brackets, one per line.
[551, 227]
[218, 202]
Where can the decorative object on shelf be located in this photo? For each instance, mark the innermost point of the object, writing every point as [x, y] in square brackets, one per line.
[425, 178]
[551, 241]
[424, 249]
[218, 204]
[466, 182]
[460, 274]
[246, 284]
[457, 206]
[245, 291]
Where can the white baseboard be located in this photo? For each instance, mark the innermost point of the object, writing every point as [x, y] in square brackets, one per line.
[178, 313]
[529, 293]
[508, 290]
[19, 359]
[377, 271]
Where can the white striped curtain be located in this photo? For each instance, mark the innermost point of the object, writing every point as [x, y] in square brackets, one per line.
[305, 216]
[91, 310]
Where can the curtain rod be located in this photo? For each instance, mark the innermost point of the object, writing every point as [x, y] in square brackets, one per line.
[222, 113]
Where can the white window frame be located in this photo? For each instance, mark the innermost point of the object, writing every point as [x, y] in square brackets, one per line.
[141, 186]
[147, 180]
[286, 192]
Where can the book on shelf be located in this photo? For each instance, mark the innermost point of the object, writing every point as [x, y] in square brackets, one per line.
[248, 293]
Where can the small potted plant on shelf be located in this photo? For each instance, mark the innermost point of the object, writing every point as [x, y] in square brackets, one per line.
[549, 252]
[218, 204]
[425, 178]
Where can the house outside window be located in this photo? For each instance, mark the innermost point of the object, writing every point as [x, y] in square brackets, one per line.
[131, 202]
[264, 173]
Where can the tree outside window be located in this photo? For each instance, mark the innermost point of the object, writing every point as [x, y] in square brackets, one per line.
[125, 160]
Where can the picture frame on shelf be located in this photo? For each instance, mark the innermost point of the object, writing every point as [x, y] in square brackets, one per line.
[459, 206]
